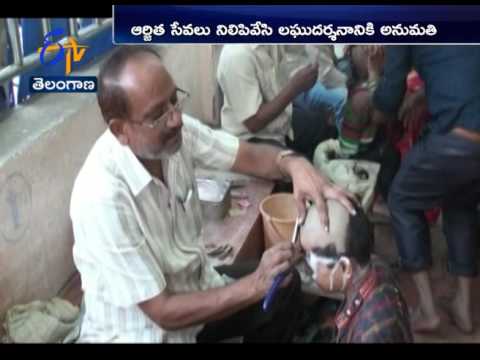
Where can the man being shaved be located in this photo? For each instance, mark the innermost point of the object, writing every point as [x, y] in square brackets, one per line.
[374, 310]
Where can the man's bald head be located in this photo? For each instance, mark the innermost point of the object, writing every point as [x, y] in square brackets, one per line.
[349, 235]
[111, 96]
[313, 235]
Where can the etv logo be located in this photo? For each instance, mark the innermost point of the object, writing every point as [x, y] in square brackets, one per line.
[75, 53]
[72, 50]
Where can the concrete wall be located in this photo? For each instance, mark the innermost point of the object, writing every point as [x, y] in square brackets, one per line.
[42, 146]
[36, 234]
[192, 67]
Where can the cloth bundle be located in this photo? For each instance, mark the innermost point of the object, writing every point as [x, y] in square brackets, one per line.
[357, 176]
[51, 321]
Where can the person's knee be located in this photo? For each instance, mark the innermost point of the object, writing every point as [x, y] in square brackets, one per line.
[360, 104]
[393, 200]
[291, 293]
[341, 97]
[296, 281]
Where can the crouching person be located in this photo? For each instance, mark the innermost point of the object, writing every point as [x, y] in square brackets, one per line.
[373, 310]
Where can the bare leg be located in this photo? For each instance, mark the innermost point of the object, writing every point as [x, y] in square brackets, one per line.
[460, 227]
[461, 310]
[426, 318]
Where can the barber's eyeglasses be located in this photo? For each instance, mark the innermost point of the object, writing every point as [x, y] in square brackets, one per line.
[177, 106]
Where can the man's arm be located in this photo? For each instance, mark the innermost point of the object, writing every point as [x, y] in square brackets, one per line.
[308, 184]
[413, 106]
[177, 311]
[303, 80]
[389, 87]
[220, 150]
[238, 78]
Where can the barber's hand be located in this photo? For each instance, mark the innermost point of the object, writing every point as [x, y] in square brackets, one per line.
[275, 260]
[310, 185]
[305, 78]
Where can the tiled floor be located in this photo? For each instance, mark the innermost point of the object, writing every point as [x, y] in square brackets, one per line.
[443, 285]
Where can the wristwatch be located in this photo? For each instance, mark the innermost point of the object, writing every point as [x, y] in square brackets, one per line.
[281, 155]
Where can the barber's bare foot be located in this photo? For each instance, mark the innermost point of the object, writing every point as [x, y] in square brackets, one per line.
[422, 323]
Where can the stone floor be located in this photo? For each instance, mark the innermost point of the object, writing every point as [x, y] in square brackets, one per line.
[443, 284]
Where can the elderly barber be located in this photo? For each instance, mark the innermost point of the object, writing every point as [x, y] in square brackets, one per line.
[137, 221]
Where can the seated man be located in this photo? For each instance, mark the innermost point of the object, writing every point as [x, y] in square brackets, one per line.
[328, 96]
[257, 98]
[374, 309]
[356, 129]
[137, 219]
[359, 137]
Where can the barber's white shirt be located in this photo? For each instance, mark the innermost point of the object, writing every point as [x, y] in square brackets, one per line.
[134, 237]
